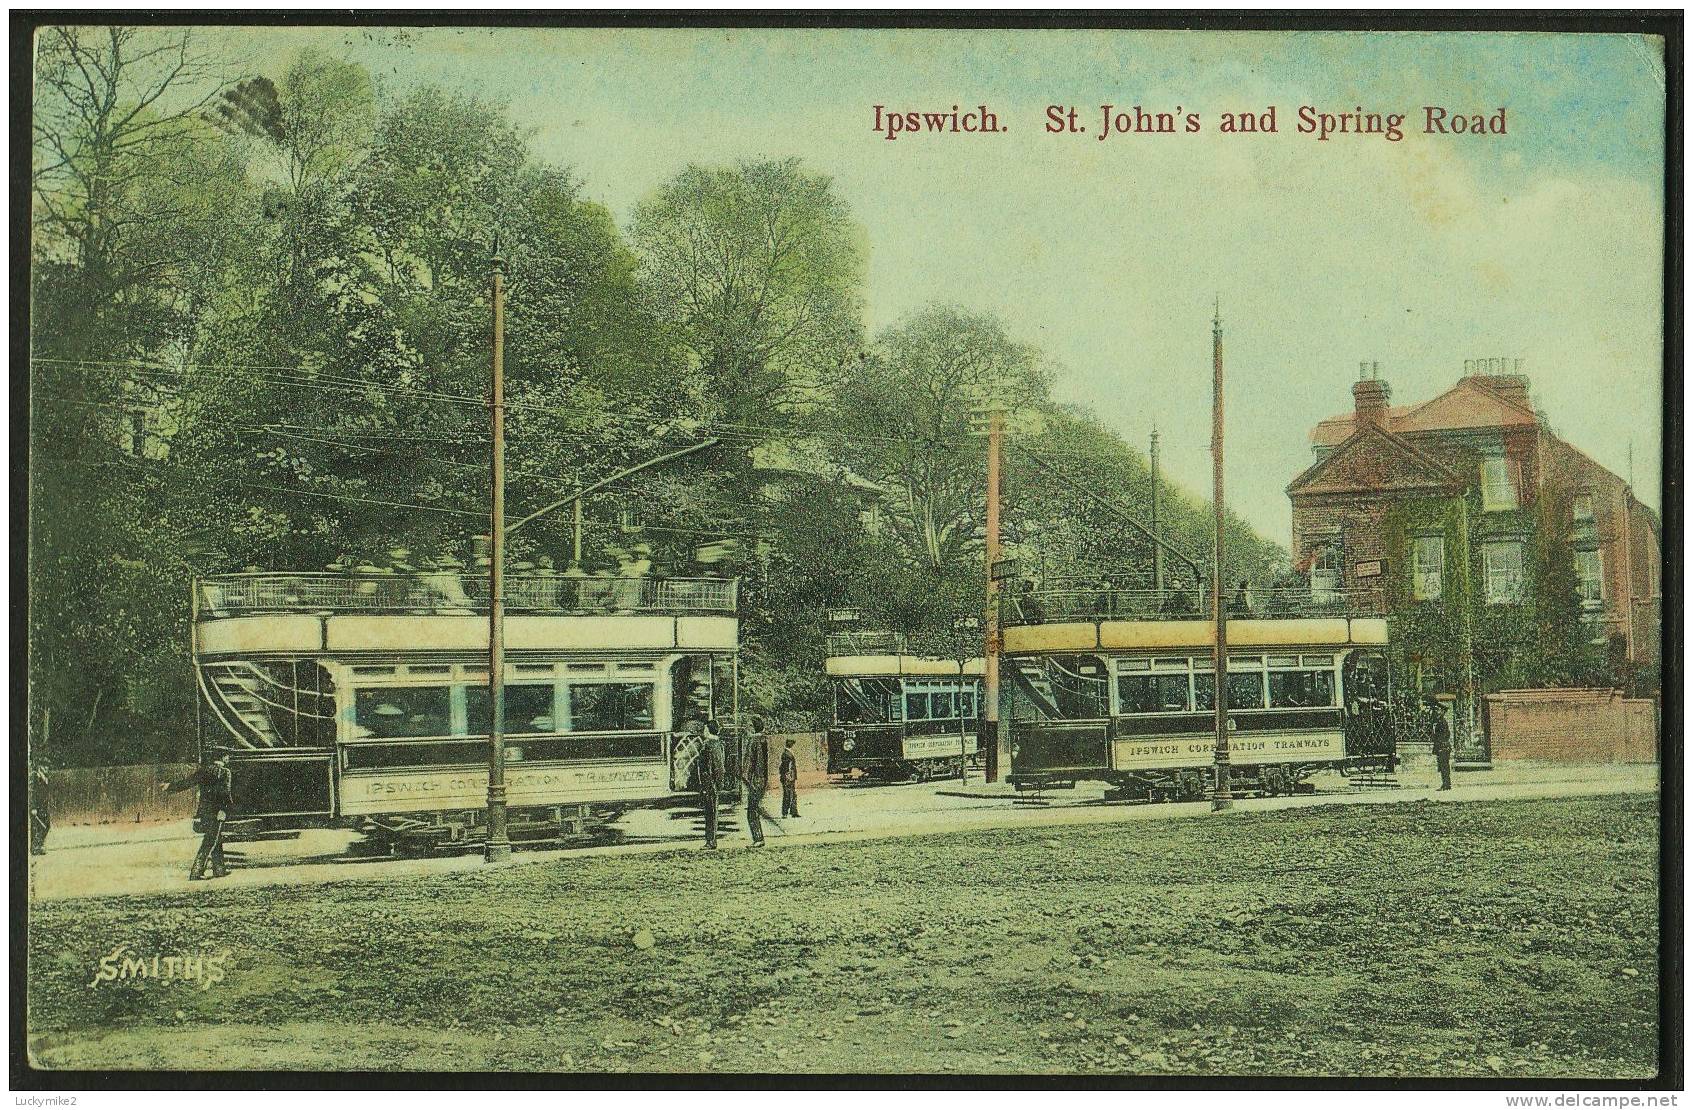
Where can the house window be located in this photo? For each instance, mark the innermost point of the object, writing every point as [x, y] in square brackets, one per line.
[1498, 485]
[1583, 508]
[1428, 564]
[1502, 569]
[1590, 577]
[1325, 574]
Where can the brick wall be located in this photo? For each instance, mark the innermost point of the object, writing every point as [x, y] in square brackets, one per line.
[1572, 726]
[811, 754]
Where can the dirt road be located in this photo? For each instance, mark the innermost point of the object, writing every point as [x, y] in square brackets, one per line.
[115, 859]
[1482, 939]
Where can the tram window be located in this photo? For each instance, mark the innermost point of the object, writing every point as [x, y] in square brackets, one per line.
[611, 706]
[1284, 660]
[1246, 691]
[1152, 693]
[585, 668]
[916, 706]
[431, 670]
[529, 708]
[403, 711]
[940, 703]
[1316, 660]
[1134, 664]
[1177, 663]
[866, 701]
[967, 702]
[1301, 689]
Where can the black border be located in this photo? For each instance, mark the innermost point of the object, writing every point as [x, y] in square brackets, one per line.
[1667, 23]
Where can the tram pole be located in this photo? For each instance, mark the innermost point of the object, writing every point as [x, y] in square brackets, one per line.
[499, 841]
[1157, 548]
[1001, 758]
[1221, 795]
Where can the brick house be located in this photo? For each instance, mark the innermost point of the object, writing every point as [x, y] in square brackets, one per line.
[1504, 556]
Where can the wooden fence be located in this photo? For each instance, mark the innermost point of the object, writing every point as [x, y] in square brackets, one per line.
[113, 795]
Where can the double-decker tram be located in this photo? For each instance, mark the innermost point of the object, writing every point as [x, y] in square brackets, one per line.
[362, 700]
[1129, 698]
[898, 715]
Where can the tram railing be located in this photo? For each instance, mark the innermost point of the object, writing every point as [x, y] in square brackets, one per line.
[433, 591]
[1097, 603]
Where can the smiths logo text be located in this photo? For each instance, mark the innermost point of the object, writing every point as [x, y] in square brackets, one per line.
[200, 968]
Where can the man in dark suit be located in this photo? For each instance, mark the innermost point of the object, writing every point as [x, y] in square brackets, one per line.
[216, 800]
[711, 769]
[789, 774]
[1442, 737]
[755, 771]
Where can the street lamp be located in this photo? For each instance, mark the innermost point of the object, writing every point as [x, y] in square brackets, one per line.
[963, 632]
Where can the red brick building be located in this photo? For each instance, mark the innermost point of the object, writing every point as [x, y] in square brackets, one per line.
[1504, 556]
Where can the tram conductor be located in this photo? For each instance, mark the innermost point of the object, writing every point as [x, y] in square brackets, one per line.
[216, 800]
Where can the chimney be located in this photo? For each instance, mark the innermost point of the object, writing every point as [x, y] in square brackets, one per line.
[1370, 395]
[1502, 375]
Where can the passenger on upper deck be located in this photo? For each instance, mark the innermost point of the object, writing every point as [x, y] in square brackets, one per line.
[1028, 607]
[1176, 601]
[1241, 604]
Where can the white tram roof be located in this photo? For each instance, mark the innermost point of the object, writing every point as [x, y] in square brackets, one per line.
[897, 666]
[1190, 634]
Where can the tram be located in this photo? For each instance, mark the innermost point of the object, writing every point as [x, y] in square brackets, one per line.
[897, 715]
[1129, 698]
[362, 700]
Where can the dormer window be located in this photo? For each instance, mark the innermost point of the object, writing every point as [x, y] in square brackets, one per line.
[1498, 484]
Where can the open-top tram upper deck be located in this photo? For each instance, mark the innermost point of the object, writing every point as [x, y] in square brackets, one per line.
[1121, 685]
[344, 696]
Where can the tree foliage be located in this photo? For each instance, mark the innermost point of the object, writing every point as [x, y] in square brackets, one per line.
[260, 337]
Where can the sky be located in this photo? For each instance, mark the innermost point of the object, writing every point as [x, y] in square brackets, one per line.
[1542, 244]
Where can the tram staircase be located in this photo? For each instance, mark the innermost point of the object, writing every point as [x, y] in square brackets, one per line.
[237, 689]
[1035, 683]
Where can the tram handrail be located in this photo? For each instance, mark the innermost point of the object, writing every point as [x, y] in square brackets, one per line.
[1099, 603]
[441, 591]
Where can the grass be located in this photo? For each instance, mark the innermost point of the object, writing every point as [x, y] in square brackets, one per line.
[1481, 939]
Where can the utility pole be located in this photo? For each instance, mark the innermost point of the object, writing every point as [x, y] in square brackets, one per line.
[499, 842]
[990, 641]
[1157, 548]
[1221, 795]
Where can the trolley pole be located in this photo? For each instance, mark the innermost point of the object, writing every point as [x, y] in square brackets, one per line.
[499, 842]
[1221, 795]
[990, 626]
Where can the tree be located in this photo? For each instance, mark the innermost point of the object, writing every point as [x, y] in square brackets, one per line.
[903, 417]
[758, 269]
[132, 194]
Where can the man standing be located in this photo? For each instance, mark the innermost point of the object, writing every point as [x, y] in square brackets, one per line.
[755, 771]
[789, 774]
[40, 820]
[216, 800]
[711, 772]
[1442, 736]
